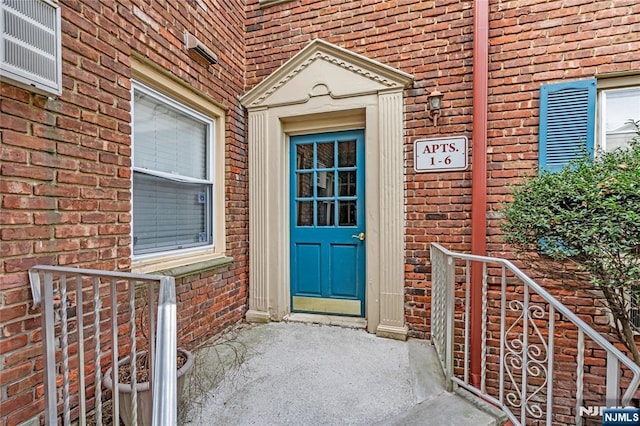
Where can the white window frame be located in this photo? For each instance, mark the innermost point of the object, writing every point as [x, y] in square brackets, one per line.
[605, 86]
[155, 78]
[209, 181]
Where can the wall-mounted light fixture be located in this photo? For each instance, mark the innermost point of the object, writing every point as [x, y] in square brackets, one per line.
[434, 104]
[195, 46]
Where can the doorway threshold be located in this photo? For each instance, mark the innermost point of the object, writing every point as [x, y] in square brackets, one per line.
[335, 320]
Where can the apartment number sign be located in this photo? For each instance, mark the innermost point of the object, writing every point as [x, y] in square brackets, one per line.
[440, 154]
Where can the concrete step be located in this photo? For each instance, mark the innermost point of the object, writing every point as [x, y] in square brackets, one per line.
[447, 409]
[433, 404]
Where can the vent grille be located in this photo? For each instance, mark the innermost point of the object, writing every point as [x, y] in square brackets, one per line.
[30, 48]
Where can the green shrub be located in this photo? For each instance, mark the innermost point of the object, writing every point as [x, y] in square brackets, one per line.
[587, 215]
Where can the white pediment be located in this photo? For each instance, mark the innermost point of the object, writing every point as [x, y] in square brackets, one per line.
[323, 69]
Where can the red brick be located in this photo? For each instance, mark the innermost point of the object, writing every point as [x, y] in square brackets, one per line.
[56, 190]
[27, 412]
[72, 231]
[77, 257]
[16, 93]
[12, 155]
[77, 178]
[25, 111]
[55, 133]
[13, 343]
[15, 248]
[19, 401]
[49, 160]
[97, 193]
[23, 264]
[25, 233]
[17, 170]
[31, 203]
[9, 217]
[77, 205]
[114, 229]
[56, 246]
[15, 187]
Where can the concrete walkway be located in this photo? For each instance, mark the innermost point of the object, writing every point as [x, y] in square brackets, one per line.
[306, 374]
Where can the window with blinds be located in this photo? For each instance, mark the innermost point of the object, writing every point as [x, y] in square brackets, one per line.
[172, 174]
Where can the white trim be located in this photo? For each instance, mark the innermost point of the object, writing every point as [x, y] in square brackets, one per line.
[356, 93]
[170, 176]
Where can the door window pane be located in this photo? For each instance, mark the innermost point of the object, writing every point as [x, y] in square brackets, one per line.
[305, 213]
[325, 213]
[347, 184]
[325, 155]
[347, 212]
[347, 154]
[304, 157]
[305, 184]
[325, 184]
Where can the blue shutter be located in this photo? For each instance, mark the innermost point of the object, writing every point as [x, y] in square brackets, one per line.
[567, 122]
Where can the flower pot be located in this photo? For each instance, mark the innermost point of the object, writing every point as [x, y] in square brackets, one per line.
[144, 398]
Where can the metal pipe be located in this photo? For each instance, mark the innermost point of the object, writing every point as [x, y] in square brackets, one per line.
[479, 175]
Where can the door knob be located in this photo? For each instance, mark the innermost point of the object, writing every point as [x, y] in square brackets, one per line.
[361, 236]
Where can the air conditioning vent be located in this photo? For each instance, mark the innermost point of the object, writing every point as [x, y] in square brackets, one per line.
[30, 49]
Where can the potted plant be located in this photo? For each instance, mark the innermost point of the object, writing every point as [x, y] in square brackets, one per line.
[144, 398]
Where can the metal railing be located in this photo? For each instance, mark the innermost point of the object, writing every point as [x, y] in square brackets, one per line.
[87, 316]
[540, 363]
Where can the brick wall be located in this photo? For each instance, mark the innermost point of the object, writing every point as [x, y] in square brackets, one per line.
[530, 43]
[66, 162]
[434, 43]
[66, 170]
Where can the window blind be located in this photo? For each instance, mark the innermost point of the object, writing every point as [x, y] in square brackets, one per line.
[169, 215]
[168, 140]
[172, 187]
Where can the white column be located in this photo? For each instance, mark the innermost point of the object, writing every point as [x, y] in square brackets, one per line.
[258, 218]
[391, 180]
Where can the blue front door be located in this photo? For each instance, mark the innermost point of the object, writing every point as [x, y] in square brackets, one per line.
[327, 223]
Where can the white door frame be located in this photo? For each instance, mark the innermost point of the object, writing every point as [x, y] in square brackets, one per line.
[327, 88]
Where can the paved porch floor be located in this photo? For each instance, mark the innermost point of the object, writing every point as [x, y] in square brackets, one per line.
[307, 374]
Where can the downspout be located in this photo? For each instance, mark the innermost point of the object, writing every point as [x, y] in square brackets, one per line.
[479, 176]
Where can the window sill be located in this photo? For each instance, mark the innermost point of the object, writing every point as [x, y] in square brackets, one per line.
[183, 266]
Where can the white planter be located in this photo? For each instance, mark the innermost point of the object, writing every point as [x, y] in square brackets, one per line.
[144, 395]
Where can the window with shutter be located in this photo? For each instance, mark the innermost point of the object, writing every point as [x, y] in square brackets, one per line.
[568, 128]
[567, 122]
[30, 46]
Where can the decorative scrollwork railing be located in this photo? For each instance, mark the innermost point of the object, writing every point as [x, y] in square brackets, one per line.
[540, 362]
